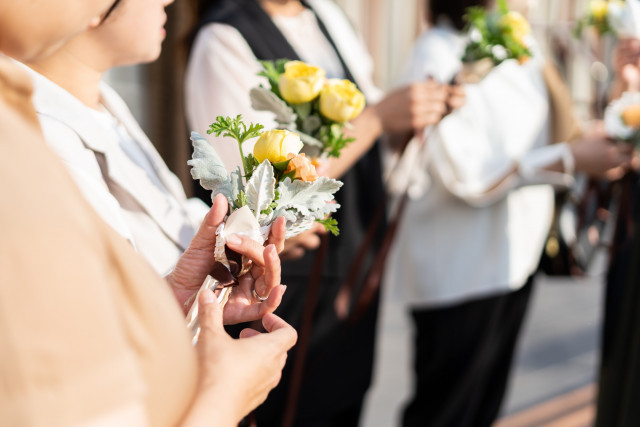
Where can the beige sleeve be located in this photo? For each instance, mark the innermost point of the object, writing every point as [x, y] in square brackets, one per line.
[63, 354]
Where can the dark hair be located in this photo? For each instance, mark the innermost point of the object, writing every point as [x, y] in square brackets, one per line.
[454, 10]
[113, 6]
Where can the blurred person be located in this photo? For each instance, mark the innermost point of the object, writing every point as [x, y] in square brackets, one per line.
[92, 336]
[619, 374]
[468, 247]
[231, 37]
[110, 158]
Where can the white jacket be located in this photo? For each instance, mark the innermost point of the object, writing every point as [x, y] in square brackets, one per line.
[159, 222]
[471, 235]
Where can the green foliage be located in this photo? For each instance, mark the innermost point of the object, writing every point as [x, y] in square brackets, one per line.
[234, 128]
[273, 204]
[333, 139]
[491, 33]
[241, 200]
[237, 129]
[250, 165]
[330, 224]
[272, 71]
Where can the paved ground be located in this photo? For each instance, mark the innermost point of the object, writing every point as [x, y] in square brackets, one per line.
[557, 351]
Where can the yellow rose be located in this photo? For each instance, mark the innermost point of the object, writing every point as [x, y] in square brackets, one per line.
[517, 25]
[598, 9]
[341, 101]
[301, 82]
[631, 116]
[274, 145]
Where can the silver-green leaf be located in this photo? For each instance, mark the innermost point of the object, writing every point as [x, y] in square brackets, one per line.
[309, 199]
[260, 189]
[207, 167]
[262, 99]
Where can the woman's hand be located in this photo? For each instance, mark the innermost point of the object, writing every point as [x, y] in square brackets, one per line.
[413, 107]
[597, 155]
[295, 247]
[235, 375]
[198, 261]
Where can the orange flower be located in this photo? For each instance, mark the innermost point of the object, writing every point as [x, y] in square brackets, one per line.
[631, 116]
[302, 167]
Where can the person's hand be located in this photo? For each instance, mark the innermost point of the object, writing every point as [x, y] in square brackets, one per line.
[198, 260]
[456, 97]
[235, 376]
[412, 107]
[597, 155]
[626, 63]
[295, 247]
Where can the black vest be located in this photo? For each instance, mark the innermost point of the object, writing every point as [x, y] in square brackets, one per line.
[337, 352]
[363, 186]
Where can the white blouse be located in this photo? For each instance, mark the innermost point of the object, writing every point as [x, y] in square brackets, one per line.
[119, 172]
[222, 69]
[472, 233]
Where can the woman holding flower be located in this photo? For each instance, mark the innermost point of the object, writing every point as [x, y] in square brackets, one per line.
[93, 336]
[222, 71]
[471, 243]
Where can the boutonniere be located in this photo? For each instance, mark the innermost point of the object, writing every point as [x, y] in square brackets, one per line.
[622, 118]
[304, 101]
[493, 37]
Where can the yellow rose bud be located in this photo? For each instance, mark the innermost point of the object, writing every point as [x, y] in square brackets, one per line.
[301, 82]
[274, 145]
[598, 9]
[631, 116]
[341, 101]
[517, 25]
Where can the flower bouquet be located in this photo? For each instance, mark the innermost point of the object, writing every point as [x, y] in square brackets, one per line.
[605, 17]
[494, 37]
[622, 118]
[275, 180]
[306, 102]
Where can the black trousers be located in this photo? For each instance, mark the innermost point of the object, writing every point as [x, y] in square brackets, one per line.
[463, 357]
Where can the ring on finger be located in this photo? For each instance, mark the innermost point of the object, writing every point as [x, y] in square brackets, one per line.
[257, 296]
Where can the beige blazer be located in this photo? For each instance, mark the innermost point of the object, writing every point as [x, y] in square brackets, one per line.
[160, 223]
[87, 326]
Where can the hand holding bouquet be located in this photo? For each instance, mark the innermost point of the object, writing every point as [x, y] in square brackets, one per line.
[306, 102]
[494, 37]
[275, 181]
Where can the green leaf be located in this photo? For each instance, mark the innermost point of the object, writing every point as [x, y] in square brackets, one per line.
[207, 167]
[330, 224]
[241, 200]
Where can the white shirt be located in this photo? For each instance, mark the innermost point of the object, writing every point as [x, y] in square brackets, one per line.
[470, 234]
[222, 69]
[135, 194]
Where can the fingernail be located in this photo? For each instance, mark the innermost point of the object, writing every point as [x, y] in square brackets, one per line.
[285, 289]
[207, 297]
[234, 240]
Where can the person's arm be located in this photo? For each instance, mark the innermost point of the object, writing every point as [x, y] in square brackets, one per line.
[236, 375]
[409, 108]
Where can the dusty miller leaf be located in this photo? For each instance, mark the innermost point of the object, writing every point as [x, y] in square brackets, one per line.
[236, 182]
[207, 167]
[260, 189]
[310, 199]
[263, 99]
